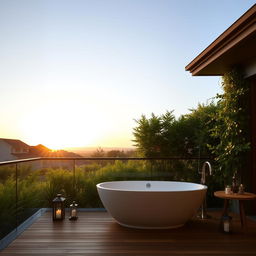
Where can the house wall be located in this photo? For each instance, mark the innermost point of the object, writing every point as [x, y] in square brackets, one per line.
[20, 150]
[253, 140]
[250, 68]
[5, 152]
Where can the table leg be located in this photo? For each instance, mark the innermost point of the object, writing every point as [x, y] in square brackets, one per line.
[224, 212]
[242, 215]
[225, 209]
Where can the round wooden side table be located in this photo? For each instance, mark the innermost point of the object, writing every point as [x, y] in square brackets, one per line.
[241, 198]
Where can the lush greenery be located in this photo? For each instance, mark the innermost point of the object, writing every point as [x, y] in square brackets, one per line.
[219, 130]
[231, 129]
[166, 136]
[113, 153]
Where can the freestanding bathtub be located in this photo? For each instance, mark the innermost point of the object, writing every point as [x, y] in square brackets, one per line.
[151, 204]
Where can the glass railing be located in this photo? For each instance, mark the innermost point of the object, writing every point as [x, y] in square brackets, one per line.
[31, 184]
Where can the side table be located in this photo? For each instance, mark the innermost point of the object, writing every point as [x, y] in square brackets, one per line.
[235, 196]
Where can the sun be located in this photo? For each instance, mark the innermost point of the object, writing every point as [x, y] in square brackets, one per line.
[61, 122]
[58, 129]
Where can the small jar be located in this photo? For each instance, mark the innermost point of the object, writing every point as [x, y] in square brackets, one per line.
[228, 190]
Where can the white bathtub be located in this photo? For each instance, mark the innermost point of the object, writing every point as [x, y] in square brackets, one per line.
[151, 204]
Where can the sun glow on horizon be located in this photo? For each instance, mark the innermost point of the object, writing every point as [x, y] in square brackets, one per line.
[59, 126]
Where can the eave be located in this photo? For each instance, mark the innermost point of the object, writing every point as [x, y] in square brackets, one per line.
[235, 46]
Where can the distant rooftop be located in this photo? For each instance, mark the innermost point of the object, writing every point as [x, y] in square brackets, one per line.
[17, 144]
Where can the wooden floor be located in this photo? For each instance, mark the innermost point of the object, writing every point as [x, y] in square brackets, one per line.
[96, 233]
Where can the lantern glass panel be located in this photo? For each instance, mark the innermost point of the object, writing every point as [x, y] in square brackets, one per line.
[58, 209]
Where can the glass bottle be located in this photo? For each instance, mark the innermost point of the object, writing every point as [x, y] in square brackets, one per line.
[234, 187]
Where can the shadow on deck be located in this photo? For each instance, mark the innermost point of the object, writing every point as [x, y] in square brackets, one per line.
[96, 233]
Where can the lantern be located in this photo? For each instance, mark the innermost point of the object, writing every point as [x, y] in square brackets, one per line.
[58, 208]
[226, 224]
[73, 211]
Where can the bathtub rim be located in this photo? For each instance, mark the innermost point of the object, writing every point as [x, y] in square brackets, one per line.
[203, 187]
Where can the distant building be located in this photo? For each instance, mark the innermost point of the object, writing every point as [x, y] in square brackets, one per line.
[13, 149]
[16, 149]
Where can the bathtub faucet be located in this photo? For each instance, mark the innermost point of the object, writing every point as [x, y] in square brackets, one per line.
[203, 213]
[203, 171]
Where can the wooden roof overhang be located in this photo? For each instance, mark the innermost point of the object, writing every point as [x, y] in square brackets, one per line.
[235, 46]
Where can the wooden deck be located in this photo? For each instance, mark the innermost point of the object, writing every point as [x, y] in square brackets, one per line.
[96, 233]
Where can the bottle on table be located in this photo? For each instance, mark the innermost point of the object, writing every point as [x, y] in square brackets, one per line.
[234, 187]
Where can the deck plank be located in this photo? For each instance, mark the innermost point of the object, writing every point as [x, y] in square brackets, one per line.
[96, 233]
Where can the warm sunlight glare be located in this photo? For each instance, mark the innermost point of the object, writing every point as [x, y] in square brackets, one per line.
[62, 126]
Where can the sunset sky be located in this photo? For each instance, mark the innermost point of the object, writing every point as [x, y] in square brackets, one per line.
[78, 72]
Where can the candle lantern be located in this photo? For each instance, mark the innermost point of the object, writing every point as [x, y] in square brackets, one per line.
[73, 211]
[226, 224]
[58, 208]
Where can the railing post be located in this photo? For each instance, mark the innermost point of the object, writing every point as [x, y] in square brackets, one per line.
[198, 161]
[74, 177]
[151, 167]
[16, 195]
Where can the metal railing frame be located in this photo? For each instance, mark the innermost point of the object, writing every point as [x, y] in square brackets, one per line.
[100, 158]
